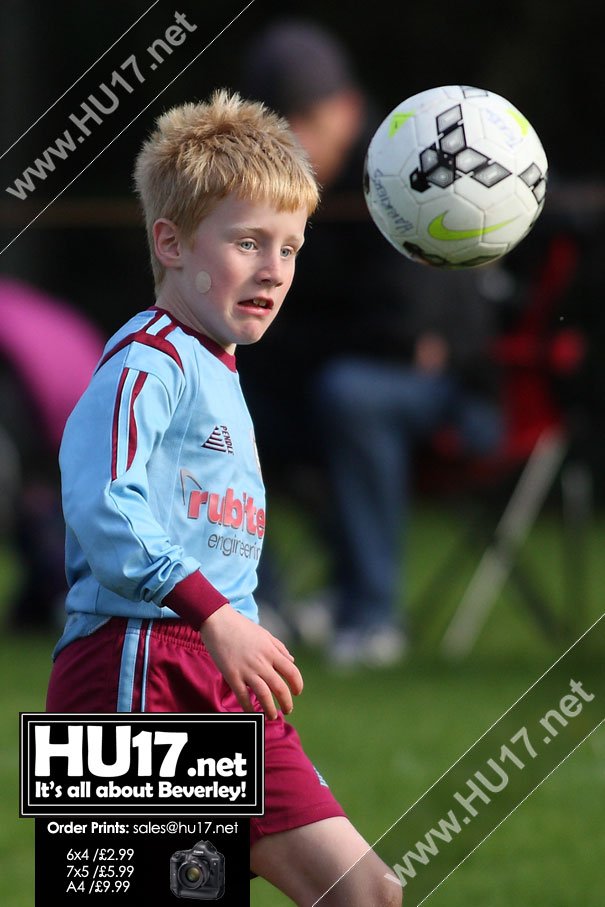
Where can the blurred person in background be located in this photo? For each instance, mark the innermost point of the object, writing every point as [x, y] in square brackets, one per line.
[373, 354]
[48, 351]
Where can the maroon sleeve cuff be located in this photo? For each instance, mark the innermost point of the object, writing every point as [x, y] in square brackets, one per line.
[195, 599]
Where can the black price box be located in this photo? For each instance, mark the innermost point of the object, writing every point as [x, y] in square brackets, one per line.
[151, 860]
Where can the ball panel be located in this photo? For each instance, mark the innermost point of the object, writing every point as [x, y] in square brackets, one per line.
[386, 200]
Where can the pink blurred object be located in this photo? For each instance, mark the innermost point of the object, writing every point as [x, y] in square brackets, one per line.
[53, 349]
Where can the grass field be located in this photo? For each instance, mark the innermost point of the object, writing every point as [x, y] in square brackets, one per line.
[382, 738]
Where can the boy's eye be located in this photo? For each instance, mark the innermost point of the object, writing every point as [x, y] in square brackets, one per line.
[287, 252]
[247, 244]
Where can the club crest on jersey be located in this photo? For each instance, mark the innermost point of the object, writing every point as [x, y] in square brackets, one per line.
[223, 509]
[220, 440]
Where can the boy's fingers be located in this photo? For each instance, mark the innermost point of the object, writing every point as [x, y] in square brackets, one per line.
[283, 649]
[281, 691]
[291, 675]
[243, 696]
[265, 697]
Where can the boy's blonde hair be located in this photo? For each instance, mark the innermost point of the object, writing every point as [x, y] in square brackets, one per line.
[199, 153]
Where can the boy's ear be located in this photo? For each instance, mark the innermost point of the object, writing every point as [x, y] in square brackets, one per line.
[167, 243]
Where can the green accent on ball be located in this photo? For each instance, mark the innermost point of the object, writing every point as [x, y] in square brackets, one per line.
[438, 230]
[397, 121]
[520, 120]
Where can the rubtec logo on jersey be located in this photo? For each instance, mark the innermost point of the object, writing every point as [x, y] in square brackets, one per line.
[224, 509]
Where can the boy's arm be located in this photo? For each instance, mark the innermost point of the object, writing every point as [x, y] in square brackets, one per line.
[108, 442]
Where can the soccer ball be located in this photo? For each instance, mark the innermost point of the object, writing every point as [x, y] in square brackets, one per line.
[455, 177]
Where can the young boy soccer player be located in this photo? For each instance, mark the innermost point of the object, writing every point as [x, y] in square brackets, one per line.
[162, 490]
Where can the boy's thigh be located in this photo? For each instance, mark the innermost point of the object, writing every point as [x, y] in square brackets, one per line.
[328, 863]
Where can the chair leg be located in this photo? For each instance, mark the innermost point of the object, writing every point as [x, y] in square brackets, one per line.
[496, 563]
[548, 622]
[428, 605]
[577, 495]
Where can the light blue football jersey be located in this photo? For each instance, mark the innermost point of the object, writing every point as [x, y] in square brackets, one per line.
[162, 490]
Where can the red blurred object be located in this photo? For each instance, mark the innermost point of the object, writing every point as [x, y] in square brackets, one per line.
[536, 353]
[531, 358]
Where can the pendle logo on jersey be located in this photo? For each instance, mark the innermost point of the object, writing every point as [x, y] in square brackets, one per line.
[223, 509]
[219, 440]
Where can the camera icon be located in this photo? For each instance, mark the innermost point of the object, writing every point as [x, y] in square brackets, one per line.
[198, 873]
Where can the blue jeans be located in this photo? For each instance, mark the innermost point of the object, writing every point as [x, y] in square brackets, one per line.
[371, 415]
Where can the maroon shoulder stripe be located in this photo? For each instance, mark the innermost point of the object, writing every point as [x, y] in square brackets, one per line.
[132, 422]
[157, 341]
[167, 330]
[114, 427]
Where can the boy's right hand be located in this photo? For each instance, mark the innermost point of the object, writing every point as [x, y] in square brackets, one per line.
[251, 659]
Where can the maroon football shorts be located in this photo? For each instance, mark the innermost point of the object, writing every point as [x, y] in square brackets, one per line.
[163, 666]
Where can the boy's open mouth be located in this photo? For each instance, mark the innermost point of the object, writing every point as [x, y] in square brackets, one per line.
[259, 302]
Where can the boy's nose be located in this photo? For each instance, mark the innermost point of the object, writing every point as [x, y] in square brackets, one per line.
[271, 272]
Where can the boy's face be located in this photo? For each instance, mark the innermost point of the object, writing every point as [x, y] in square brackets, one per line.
[234, 272]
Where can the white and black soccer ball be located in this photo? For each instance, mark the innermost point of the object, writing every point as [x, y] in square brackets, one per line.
[455, 176]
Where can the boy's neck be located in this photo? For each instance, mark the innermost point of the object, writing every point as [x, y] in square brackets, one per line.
[171, 303]
[228, 358]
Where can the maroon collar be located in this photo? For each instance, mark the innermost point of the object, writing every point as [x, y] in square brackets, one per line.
[211, 345]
